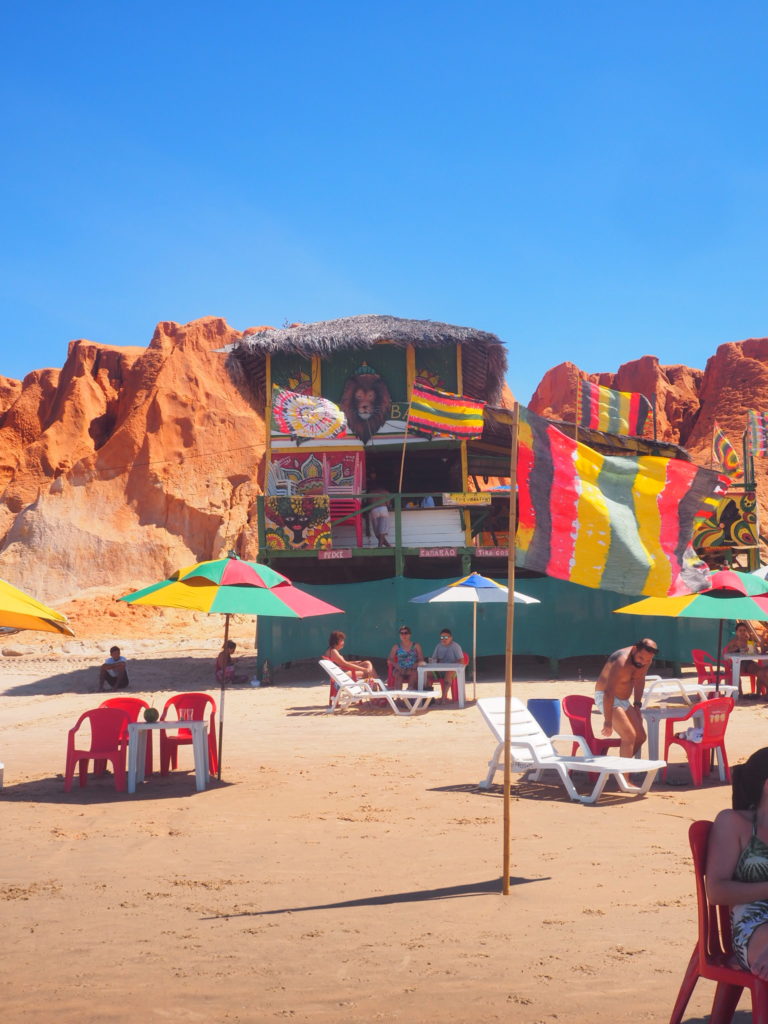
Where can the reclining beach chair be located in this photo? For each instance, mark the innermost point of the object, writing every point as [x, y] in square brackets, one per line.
[531, 750]
[350, 691]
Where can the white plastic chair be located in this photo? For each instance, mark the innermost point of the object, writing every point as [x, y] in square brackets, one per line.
[351, 691]
[531, 750]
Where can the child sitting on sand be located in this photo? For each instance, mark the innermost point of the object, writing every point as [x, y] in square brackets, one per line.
[225, 664]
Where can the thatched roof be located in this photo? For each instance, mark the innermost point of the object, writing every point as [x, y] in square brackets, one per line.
[484, 358]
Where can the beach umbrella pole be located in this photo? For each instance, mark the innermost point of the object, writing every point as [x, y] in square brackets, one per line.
[474, 651]
[719, 654]
[509, 647]
[222, 693]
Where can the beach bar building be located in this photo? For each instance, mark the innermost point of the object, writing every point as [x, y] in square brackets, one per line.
[448, 498]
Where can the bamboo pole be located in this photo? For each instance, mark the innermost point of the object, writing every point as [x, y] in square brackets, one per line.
[509, 645]
[405, 439]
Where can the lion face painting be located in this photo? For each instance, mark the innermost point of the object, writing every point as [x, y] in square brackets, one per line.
[366, 403]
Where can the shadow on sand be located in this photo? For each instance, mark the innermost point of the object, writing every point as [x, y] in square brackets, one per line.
[101, 790]
[492, 887]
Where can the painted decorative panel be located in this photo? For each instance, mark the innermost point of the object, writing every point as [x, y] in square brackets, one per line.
[298, 522]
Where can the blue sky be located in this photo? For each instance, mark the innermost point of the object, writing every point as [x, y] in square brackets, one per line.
[586, 180]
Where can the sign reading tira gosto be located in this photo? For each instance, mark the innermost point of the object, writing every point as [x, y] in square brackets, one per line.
[469, 498]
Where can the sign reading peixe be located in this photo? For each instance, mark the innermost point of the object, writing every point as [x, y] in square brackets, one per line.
[437, 552]
[329, 554]
[491, 552]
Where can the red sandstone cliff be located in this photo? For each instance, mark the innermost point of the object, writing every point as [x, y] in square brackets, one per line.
[127, 463]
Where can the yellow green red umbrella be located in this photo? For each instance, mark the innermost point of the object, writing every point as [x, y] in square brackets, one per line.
[231, 586]
[20, 611]
[730, 595]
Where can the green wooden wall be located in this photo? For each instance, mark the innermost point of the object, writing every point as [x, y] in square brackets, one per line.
[570, 621]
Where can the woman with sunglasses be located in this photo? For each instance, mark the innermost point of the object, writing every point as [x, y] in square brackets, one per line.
[403, 659]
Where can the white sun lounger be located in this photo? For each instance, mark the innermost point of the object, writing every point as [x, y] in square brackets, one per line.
[531, 750]
[350, 691]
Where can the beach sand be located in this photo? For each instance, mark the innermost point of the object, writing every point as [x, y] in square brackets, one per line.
[346, 868]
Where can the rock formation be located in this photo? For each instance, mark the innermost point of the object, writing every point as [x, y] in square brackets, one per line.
[127, 463]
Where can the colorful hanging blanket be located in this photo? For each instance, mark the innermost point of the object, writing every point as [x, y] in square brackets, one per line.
[615, 412]
[612, 523]
[440, 412]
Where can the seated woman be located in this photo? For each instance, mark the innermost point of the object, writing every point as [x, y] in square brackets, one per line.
[403, 659]
[225, 664]
[356, 669]
[737, 863]
[742, 643]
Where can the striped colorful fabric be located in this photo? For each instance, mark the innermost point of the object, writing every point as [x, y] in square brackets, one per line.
[439, 412]
[725, 454]
[608, 522]
[757, 432]
[615, 412]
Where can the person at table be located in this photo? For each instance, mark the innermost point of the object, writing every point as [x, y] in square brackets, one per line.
[114, 672]
[225, 664]
[447, 652]
[742, 643]
[357, 669]
[403, 659]
[619, 694]
[737, 862]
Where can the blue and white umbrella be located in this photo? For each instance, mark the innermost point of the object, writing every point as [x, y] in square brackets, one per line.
[474, 589]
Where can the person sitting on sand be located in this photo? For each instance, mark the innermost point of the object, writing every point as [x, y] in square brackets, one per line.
[619, 694]
[225, 664]
[737, 862]
[113, 673]
[356, 669]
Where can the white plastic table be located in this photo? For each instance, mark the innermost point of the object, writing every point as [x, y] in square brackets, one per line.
[138, 733]
[444, 666]
[664, 689]
[736, 660]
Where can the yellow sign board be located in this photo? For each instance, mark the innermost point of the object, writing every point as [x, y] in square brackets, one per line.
[468, 498]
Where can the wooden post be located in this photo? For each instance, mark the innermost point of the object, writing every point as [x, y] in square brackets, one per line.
[509, 645]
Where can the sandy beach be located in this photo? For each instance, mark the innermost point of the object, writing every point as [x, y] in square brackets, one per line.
[346, 868]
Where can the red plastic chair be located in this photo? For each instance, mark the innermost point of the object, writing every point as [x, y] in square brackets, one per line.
[107, 743]
[344, 508]
[578, 710]
[715, 714]
[712, 956]
[706, 669]
[133, 707]
[193, 706]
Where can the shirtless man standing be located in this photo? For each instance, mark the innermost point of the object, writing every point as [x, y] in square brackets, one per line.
[619, 694]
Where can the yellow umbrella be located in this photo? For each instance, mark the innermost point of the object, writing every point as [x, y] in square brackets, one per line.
[20, 611]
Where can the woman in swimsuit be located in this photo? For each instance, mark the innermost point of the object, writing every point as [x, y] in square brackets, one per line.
[356, 669]
[403, 659]
[737, 863]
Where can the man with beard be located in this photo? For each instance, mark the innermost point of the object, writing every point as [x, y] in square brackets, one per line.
[619, 694]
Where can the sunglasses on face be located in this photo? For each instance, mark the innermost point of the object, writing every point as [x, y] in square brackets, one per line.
[444, 636]
[405, 632]
[651, 650]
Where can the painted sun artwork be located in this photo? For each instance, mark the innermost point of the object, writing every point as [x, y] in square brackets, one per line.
[306, 416]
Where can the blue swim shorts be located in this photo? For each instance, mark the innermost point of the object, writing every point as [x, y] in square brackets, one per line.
[618, 702]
